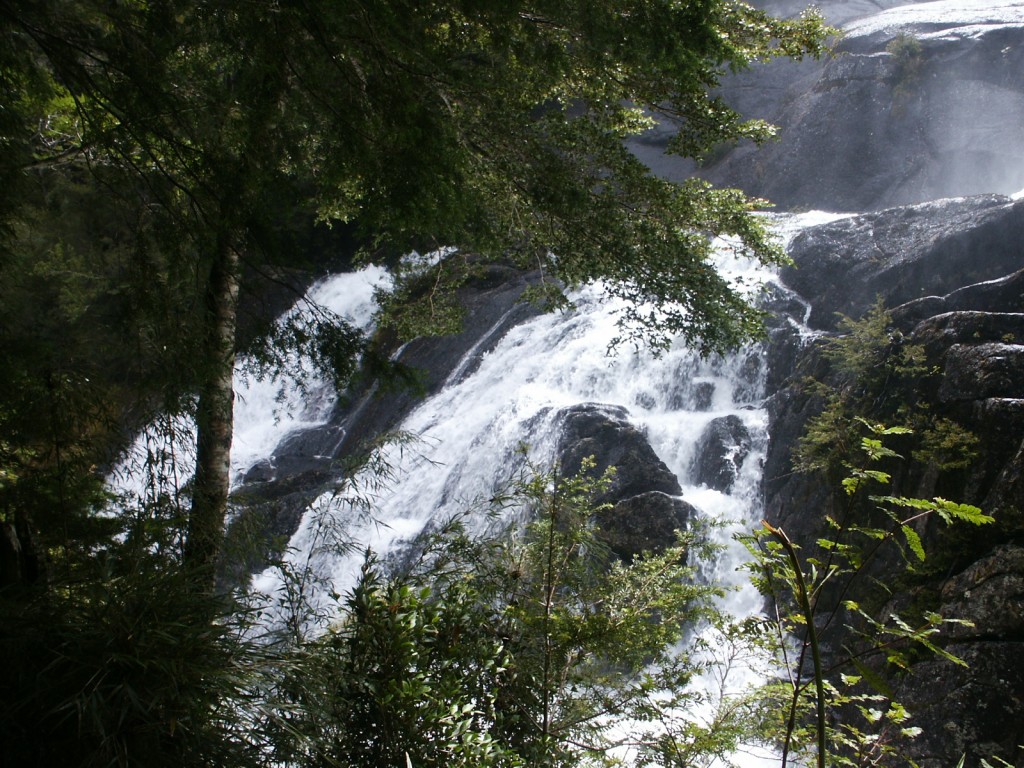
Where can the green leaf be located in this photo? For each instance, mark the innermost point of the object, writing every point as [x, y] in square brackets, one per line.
[964, 512]
[851, 484]
[914, 542]
[902, 501]
[876, 450]
[872, 678]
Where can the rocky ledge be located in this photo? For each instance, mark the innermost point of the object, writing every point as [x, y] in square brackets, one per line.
[951, 273]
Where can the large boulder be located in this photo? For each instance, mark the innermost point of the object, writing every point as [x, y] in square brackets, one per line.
[645, 509]
[605, 433]
[979, 371]
[721, 450]
[646, 522]
[904, 254]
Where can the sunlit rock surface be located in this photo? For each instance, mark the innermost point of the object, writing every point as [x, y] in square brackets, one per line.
[904, 254]
[919, 102]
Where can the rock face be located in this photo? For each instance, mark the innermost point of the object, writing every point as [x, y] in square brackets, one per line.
[904, 254]
[646, 509]
[951, 272]
[919, 102]
[990, 593]
[721, 450]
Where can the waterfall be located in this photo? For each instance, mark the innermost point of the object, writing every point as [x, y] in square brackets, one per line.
[269, 409]
[266, 411]
[471, 434]
[470, 439]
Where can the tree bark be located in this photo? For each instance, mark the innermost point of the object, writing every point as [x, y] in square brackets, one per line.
[214, 416]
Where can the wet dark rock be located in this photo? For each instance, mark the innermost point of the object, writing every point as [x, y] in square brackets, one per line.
[646, 522]
[980, 371]
[260, 472]
[1004, 496]
[1003, 293]
[721, 450]
[604, 432]
[748, 379]
[904, 254]
[990, 595]
[971, 710]
[942, 331]
[783, 349]
[645, 509]
[701, 396]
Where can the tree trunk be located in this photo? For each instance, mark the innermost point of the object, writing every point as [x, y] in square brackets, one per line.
[214, 416]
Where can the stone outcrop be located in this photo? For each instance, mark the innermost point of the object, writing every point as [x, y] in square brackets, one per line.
[951, 273]
[644, 494]
[721, 450]
[905, 254]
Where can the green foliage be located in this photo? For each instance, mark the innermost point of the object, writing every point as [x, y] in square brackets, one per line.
[125, 669]
[812, 589]
[534, 647]
[407, 671]
[586, 629]
[907, 59]
[494, 129]
[874, 375]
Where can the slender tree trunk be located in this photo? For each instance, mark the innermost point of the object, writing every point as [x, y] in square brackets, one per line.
[214, 415]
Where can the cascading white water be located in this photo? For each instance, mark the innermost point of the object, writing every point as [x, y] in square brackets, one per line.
[471, 433]
[266, 410]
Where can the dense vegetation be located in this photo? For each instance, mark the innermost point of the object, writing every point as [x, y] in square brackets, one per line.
[158, 160]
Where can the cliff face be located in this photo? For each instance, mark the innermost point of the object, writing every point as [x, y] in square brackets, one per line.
[919, 102]
[952, 273]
